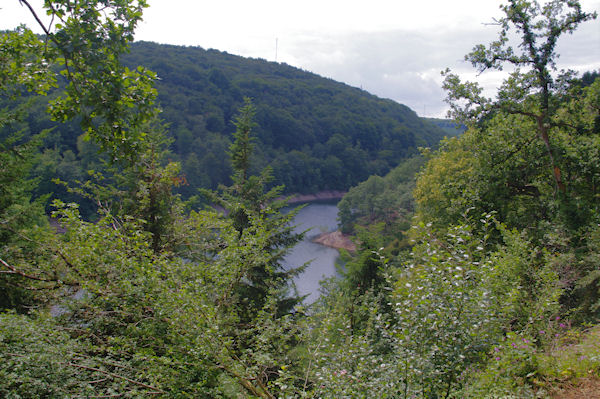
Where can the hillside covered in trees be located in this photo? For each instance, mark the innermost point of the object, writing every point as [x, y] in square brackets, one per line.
[492, 291]
[315, 133]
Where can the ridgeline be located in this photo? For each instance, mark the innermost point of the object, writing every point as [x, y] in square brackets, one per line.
[316, 134]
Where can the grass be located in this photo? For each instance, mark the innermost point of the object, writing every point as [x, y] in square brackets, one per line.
[565, 366]
[571, 367]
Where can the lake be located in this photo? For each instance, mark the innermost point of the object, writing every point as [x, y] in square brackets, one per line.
[319, 217]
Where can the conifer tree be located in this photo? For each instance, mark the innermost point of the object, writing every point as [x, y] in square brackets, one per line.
[249, 201]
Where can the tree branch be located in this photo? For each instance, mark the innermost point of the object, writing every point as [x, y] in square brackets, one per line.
[32, 11]
[514, 152]
[46, 246]
[155, 390]
[247, 384]
[14, 270]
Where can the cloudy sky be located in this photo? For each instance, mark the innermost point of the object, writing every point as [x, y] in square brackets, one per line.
[391, 48]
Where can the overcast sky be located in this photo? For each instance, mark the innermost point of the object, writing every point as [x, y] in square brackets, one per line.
[391, 48]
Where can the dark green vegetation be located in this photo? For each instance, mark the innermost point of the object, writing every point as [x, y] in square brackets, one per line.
[315, 133]
[479, 299]
[505, 249]
[385, 199]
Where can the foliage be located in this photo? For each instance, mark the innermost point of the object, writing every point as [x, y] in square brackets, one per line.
[529, 157]
[365, 270]
[151, 299]
[88, 40]
[242, 147]
[501, 166]
[532, 93]
[148, 188]
[21, 67]
[509, 373]
[247, 199]
[20, 214]
[444, 187]
[451, 304]
[572, 354]
[518, 367]
[586, 292]
[295, 110]
[173, 322]
[316, 134]
[385, 199]
[434, 320]
[531, 154]
[349, 360]
[40, 359]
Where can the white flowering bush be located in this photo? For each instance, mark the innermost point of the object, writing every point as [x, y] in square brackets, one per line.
[434, 322]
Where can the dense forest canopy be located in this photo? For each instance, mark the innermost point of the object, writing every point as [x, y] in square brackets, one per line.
[316, 134]
[494, 291]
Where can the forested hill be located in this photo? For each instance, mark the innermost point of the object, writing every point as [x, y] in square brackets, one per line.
[316, 133]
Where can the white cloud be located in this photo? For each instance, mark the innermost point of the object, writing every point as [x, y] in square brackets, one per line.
[391, 48]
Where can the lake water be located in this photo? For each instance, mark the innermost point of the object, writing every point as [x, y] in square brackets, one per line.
[319, 217]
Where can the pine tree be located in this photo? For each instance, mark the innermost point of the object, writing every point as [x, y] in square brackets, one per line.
[248, 202]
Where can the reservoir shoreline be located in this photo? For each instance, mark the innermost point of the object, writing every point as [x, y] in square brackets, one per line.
[335, 239]
[320, 196]
[315, 219]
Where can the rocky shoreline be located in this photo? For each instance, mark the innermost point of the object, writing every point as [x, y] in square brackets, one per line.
[320, 196]
[335, 239]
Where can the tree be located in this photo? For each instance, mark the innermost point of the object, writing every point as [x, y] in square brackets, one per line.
[88, 40]
[527, 144]
[87, 261]
[241, 148]
[116, 106]
[388, 199]
[148, 188]
[247, 242]
[21, 216]
[365, 270]
[530, 155]
[247, 202]
[145, 300]
[532, 92]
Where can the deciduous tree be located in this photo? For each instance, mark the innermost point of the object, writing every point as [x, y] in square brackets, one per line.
[533, 90]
